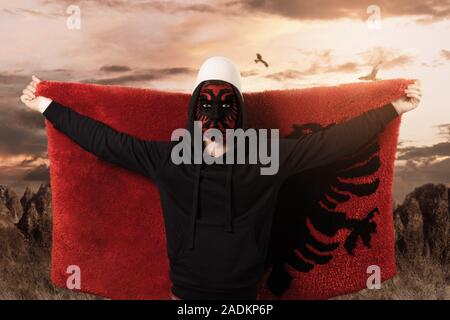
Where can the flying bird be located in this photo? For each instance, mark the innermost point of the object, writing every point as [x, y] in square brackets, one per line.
[260, 59]
[372, 76]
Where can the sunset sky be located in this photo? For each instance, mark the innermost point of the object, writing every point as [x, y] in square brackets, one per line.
[161, 44]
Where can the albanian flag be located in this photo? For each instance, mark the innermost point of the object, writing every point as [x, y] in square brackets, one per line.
[331, 226]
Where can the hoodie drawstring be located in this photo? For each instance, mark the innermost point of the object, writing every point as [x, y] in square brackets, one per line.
[229, 213]
[228, 225]
[194, 205]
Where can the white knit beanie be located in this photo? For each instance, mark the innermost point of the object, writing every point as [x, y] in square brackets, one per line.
[219, 68]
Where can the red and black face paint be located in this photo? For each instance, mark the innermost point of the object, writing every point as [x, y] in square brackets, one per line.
[217, 106]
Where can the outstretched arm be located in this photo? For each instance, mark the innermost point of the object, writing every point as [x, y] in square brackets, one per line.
[132, 153]
[340, 140]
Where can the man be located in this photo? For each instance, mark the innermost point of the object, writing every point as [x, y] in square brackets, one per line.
[217, 216]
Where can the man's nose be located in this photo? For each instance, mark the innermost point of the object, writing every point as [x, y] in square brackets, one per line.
[215, 112]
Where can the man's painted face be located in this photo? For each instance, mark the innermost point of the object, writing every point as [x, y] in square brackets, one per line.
[217, 107]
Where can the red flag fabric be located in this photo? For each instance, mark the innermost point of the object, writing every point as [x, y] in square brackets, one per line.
[108, 221]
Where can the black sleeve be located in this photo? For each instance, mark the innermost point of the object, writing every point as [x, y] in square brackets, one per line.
[328, 145]
[132, 153]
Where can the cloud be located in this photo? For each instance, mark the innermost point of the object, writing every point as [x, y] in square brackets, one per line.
[322, 62]
[39, 173]
[441, 149]
[168, 7]
[423, 164]
[26, 118]
[143, 75]
[14, 113]
[12, 79]
[301, 10]
[390, 58]
[444, 129]
[418, 165]
[17, 141]
[22, 131]
[353, 9]
[33, 159]
[114, 68]
[23, 146]
[347, 67]
[426, 154]
[412, 175]
[249, 73]
[286, 75]
[398, 61]
[30, 12]
[314, 69]
[445, 54]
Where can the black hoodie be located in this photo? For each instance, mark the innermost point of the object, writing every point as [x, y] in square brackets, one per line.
[217, 217]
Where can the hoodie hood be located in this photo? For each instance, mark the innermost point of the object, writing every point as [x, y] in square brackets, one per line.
[218, 68]
[214, 68]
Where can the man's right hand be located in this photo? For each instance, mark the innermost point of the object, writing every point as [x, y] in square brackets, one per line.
[28, 97]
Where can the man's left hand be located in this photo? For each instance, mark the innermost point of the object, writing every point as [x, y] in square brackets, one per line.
[411, 100]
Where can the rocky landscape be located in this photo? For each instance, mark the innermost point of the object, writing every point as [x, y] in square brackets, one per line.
[422, 232]
[25, 242]
[422, 226]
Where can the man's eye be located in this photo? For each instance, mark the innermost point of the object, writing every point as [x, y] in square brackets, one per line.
[206, 105]
[226, 105]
